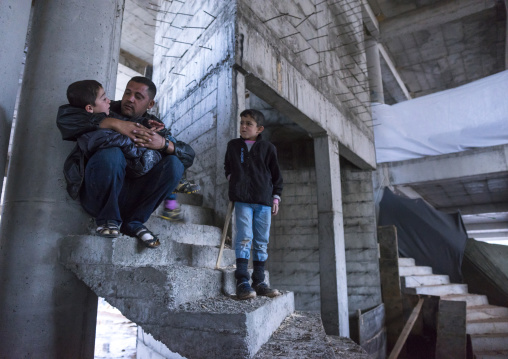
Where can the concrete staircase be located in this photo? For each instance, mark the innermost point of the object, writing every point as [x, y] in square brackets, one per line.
[174, 293]
[486, 324]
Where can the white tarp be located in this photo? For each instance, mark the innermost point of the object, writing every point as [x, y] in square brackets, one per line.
[473, 115]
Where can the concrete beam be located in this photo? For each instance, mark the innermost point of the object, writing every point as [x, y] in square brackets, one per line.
[391, 65]
[480, 161]
[133, 62]
[370, 20]
[477, 209]
[486, 227]
[501, 234]
[431, 16]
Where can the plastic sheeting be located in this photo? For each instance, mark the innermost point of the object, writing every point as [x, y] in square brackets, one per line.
[469, 116]
[431, 237]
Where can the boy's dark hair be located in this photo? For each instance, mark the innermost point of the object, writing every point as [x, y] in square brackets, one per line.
[152, 89]
[82, 93]
[254, 114]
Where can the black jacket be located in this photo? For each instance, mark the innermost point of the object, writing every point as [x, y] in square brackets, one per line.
[255, 174]
[140, 160]
[74, 122]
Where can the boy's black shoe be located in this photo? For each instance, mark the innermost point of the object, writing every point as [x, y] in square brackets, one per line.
[245, 291]
[264, 290]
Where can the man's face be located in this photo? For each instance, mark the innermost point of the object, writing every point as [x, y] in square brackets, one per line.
[135, 100]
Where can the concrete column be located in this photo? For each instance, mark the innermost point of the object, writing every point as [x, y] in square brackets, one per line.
[45, 311]
[374, 70]
[506, 37]
[14, 15]
[332, 258]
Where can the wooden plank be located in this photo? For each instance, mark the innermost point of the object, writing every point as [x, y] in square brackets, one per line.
[371, 323]
[406, 330]
[451, 341]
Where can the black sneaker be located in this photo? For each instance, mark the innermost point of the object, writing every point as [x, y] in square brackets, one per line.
[186, 187]
[174, 215]
[245, 291]
[262, 289]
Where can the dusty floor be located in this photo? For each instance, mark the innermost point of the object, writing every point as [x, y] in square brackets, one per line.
[301, 335]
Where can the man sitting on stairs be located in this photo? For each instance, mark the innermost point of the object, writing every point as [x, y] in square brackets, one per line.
[120, 203]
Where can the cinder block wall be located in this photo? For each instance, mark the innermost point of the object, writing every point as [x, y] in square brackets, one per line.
[294, 249]
[362, 264]
[193, 71]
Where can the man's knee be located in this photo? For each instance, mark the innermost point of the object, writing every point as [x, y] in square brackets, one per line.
[174, 167]
[112, 158]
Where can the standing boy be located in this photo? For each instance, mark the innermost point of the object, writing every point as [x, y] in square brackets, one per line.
[255, 185]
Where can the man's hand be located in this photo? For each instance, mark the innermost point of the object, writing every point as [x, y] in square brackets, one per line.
[135, 131]
[155, 125]
[154, 142]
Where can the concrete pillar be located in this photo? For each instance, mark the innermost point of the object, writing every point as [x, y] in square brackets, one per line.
[374, 69]
[506, 37]
[332, 258]
[45, 311]
[14, 15]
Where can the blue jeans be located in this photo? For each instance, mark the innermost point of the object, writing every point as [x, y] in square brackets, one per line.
[108, 195]
[252, 229]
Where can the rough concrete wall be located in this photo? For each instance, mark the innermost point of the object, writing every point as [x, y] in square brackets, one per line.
[294, 245]
[193, 72]
[364, 288]
[310, 58]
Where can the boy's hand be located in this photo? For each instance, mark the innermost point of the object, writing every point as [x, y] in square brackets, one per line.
[275, 208]
[135, 131]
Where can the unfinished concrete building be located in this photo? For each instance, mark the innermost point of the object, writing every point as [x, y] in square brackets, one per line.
[314, 68]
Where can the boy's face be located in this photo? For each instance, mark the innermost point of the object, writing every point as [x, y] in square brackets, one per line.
[136, 100]
[249, 129]
[101, 103]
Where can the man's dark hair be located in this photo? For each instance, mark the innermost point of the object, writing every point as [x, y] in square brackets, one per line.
[152, 89]
[82, 93]
[256, 115]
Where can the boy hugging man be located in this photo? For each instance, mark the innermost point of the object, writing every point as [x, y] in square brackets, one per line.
[255, 185]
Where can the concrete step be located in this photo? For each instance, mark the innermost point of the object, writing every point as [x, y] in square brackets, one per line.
[491, 354]
[441, 289]
[414, 270]
[470, 299]
[484, 326]
[124, 268]
[219, 327]
[191, 214]
[419, 280]
[185, 233]
[194, 199]
[406, 262]
[486, 312]
[489, 342]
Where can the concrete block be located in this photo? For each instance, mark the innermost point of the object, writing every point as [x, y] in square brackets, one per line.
[489, 342]
[419, 280]
[222, 327]
[206, 257]
[406, 262]
[416, 270]
[484, 326]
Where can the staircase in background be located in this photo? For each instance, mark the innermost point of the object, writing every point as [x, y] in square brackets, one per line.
[486, 324]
